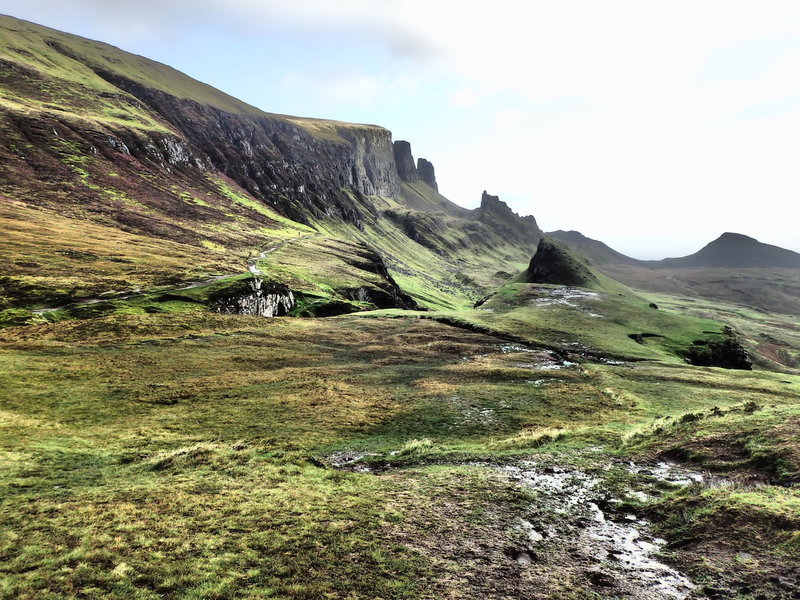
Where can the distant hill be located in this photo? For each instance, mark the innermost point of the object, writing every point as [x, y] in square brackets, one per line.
[730, 250]
[734, 250]
[595, 251]
[733, 268]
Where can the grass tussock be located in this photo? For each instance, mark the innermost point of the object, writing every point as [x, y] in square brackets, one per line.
[531, 438]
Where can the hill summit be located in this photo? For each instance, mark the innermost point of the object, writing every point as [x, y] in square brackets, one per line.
[735, 250]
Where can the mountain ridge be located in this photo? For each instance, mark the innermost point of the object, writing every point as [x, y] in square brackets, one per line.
[99, 135]
[729, 250]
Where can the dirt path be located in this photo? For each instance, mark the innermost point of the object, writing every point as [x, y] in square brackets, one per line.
[138, 292]
[252, 263]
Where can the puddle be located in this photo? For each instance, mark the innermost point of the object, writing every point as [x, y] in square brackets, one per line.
[608, 361]
[348, 460]
[511, 348]
[675, 474]
[537, 359]
[541, 382]
[564, 296]
[466, 413]
[618, 553]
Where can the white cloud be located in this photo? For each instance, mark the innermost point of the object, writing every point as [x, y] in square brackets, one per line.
[365, 90]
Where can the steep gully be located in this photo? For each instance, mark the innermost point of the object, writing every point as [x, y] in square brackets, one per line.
[257, 299]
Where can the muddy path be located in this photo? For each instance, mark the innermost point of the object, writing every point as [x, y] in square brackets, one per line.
[573, 530]
[571, 538]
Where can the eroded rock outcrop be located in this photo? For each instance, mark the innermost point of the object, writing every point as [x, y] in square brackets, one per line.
[727, 353]
[404, 160]
[254, 297]
[498, 215]
[427, 173]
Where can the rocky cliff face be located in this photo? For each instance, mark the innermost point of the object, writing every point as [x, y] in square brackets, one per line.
[408, 171]
[278, 160]
[497, 215]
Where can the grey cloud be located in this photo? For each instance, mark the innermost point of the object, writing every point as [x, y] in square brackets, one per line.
[126, 21]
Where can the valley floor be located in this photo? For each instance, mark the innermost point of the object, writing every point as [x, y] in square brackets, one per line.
[365, 456]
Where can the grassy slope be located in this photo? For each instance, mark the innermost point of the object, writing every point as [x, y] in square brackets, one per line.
[53, 78]
[602, 321]
[199, 439]
[772, 290]
[69, 59]
[448, 266]
[773, 339]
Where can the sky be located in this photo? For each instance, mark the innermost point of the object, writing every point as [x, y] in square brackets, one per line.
[653, 126]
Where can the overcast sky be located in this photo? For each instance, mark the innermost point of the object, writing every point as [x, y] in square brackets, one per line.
[653, 126]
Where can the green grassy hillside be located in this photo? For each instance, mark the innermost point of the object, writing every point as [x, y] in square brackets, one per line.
[69, 74]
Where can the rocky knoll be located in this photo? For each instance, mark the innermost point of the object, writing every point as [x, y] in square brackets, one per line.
[554, 264]
[727, 352]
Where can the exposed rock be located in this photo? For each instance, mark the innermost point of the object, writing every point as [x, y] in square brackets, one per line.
[427, 173]
[405, 162]
[254, 297]
[273, 158]
[554, 264]
[727, 353]
[385, 295]
[498, 216]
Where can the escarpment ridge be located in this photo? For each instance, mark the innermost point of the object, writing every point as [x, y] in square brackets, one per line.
[95, 135]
